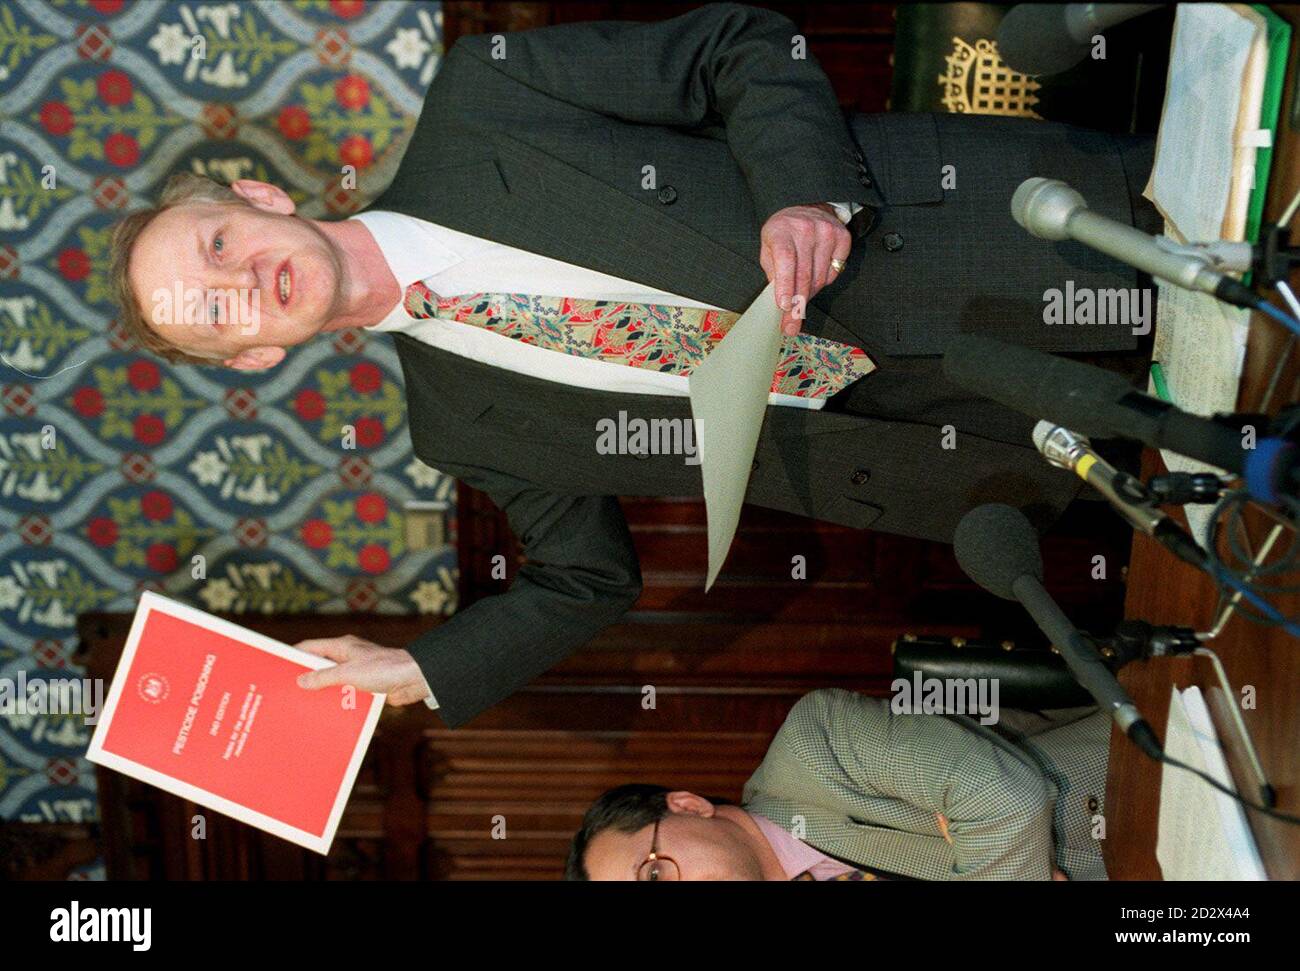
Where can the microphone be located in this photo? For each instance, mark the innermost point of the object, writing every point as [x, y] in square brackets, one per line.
[1100, 403]
[1048, 38]
[998, 549]
[1125, 493]
[1051, 210]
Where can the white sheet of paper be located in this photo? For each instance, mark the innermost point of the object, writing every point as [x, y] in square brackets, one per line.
[1192, 182]
[1201, 345]
[728, 400]
[1203, 833]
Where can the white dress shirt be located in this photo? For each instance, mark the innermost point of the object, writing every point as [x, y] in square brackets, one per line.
[452, 263]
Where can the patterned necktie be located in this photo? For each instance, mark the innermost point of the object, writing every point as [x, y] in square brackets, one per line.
[854, 875]
[658, 337]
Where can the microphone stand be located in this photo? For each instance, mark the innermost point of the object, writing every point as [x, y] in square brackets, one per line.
[1137, 639]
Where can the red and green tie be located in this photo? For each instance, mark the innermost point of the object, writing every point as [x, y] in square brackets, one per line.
[659, 337]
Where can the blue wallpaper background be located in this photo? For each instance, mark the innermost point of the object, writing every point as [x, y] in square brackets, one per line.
[117, 469]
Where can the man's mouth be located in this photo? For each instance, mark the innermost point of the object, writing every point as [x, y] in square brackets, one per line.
[285, 281]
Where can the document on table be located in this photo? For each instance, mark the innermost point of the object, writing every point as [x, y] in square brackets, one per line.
[729, 394]
[1203, 833]
[1209, 125]
[1201, 345]
[1201, 183]
[212, 712]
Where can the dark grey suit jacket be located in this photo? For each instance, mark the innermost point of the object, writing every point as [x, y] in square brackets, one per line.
[543, 149]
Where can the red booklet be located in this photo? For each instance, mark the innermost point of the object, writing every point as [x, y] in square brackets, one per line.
[212, 712]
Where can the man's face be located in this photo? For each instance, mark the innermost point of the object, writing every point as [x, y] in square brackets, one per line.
[705, 844]
[231, 257]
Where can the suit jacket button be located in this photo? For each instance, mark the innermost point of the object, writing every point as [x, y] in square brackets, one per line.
[892, 242]
[1092, 804]
[860, 476]
[667, 195]
[864, 179]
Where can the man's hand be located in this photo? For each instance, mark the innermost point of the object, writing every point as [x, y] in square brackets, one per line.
[799, 243]
[943, 827]
[367, 666]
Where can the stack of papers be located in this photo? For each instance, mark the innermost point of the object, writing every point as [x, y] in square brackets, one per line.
[1203, 833]
[1202, 181]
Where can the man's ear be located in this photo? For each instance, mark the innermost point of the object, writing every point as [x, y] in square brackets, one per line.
[263, 195]
[690, 804]
[256, 358]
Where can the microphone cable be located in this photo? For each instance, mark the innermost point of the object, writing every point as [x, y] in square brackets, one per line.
[1245, 581]
[1283, 318]
[1258, 807]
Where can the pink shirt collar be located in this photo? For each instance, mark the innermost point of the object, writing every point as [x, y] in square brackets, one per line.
[796, 856]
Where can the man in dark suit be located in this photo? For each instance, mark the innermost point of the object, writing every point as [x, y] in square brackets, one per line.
[675, 168]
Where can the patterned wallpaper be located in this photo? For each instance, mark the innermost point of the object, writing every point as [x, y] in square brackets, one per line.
[117, 470]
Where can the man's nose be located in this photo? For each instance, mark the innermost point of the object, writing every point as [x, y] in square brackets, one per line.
[238, 277]
[237, 288]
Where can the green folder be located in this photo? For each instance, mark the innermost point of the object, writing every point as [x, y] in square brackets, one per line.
[1279, 44]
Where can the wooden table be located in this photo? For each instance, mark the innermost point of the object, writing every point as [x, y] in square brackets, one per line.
[1164, 590]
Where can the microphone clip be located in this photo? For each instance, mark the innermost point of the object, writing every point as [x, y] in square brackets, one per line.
[1137, 640]
[1274, 256]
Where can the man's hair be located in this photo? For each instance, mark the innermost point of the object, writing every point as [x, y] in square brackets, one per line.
[181, 188]
[624, 809]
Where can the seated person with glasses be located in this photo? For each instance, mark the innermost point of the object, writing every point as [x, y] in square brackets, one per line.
[850, 790]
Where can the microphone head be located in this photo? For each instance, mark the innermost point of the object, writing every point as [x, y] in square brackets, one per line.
[1044, 207]
[1058, 444]
[996, 546]
[1035, 38]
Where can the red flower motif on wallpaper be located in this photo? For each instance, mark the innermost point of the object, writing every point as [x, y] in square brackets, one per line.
[294, 122]
[150, 532]
[352, 91]
[373, 558]
[317, 533]
[74, 264]
[356, 150]
[310, 404]
[370, 432]
[161, 557]
[56, 117]
[363, 533]
[114, 87]
[143, 375]
[88, 402]
[148, 429]
[135, 402]
[121, 149]
[347, 9]
[372, 508]
[366, 378]
[156, 505]
[102, 531]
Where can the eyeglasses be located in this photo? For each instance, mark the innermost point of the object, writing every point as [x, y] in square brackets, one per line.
[658, 867]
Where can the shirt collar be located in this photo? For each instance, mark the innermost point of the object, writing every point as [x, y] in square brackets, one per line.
[794, 855]
[413, 251]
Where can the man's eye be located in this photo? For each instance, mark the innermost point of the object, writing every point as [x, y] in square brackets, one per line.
[216, 244]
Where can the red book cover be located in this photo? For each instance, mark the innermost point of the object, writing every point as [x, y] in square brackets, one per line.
[212, 712]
